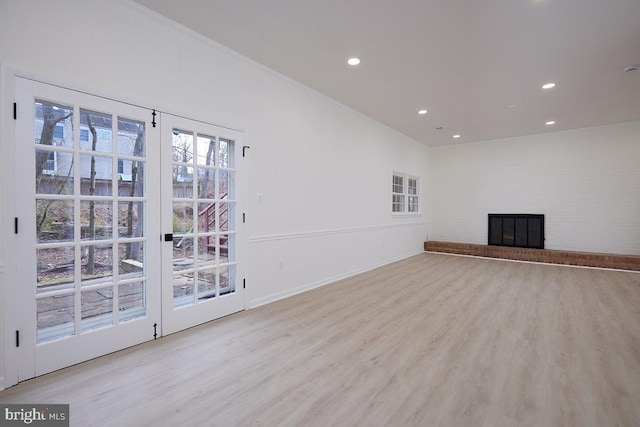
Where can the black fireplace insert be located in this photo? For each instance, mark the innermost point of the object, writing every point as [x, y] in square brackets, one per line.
[517, 230]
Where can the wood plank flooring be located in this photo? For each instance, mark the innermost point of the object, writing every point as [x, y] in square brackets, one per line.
[434, 340]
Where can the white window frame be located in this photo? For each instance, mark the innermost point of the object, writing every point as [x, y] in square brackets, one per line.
[405, 200]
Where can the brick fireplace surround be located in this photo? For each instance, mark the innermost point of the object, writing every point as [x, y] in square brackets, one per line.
[585, 259]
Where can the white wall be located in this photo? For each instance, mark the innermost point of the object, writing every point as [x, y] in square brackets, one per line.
[586, 182]
[321, 171]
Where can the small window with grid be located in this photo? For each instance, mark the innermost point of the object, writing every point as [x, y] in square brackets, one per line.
[405, 194]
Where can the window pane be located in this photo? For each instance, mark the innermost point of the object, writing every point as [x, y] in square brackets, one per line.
[131, 260]
[131, 301]
[206, 284]
[227, 188]
[182, 217]
[413, 186]
[182, 146]
[99, 127]
[131, 138]
[206, 150]
[206, 251]
[207, 217]
[183, 254]
[183, 289]
[96, 264]
[53, 125]
[226, 245]
[102, 214]
[413, 204]
[397, 203]
[130, 219]
[227, 217]
[398, 184]
[55, 317]
[131, 181]
[54, 221]
[97, 309]
[56, 177]
[55, 269]
[102, 170]
[227, 279]
[226, 154]
[206, 183]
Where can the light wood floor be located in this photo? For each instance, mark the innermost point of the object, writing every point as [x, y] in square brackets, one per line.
[428, 341]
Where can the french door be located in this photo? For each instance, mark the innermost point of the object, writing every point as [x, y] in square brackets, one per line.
[200, 217]
[129, 230]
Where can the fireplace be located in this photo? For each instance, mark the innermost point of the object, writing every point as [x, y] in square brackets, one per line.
[517, 230]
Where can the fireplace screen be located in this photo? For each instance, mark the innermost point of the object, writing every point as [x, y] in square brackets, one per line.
[518, 230]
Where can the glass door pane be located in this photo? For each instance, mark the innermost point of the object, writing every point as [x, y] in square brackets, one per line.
[201, 211]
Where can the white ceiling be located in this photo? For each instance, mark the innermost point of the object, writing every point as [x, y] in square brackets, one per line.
[477, 66]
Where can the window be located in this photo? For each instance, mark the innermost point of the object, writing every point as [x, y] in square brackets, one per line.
[404, 194]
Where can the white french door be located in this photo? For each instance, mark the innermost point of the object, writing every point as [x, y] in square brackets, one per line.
[201, 221]
[86, 248]
[129, 227]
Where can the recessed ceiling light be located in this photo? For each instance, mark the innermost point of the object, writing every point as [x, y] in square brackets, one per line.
[422, 112]
[550, 122]
[353, 61]
[456, 136]
[548, 85]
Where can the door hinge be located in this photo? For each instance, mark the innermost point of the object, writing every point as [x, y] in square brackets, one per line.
[153, 122]
[244, 219]
[244, 147]
[244, 283]
[155, 331]
[15, 111]
[15, 225]
[17, 338]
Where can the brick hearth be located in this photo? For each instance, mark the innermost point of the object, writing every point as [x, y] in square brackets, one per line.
[586, 259]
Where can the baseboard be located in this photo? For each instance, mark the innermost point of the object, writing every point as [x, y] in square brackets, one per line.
[317, 284]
